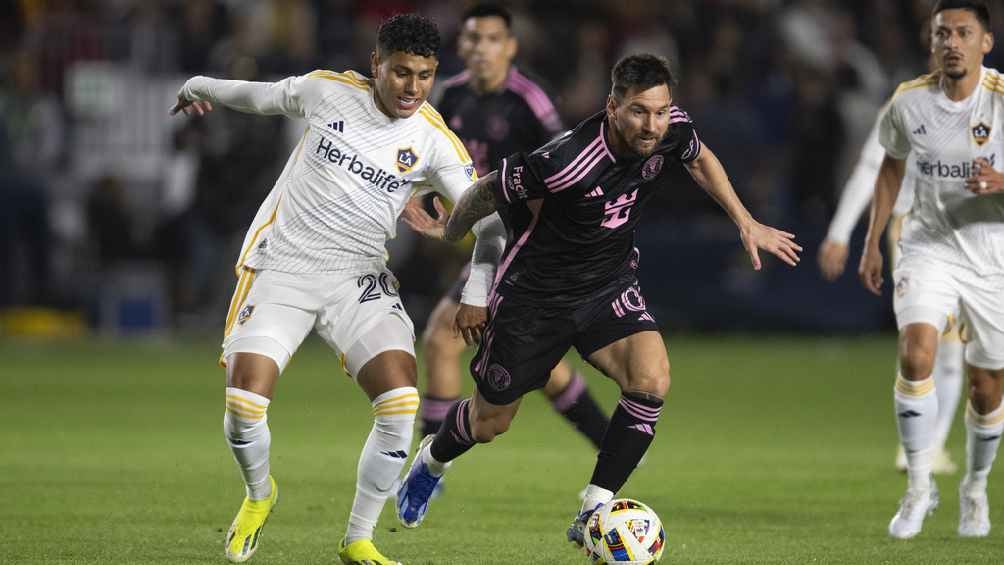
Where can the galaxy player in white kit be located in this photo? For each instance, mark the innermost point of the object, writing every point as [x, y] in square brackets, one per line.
[314, 259]
[947, 130]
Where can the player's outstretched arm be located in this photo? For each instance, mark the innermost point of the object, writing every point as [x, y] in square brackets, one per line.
[708, 173]
[886, 190]
[199, 94]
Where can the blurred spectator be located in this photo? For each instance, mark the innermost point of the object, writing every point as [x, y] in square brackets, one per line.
[31, 156]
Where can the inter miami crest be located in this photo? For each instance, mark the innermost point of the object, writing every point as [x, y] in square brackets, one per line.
[406, 159]
[981, 133]
[652, 167]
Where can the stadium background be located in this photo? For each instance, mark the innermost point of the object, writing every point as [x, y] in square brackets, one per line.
[118, 223]
[128, 218]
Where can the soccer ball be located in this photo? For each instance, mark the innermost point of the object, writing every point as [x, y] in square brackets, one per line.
[624, 531]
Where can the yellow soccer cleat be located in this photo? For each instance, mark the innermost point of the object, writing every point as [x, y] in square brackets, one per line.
[362, 552]
[245, 531]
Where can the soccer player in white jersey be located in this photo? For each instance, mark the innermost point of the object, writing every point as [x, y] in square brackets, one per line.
[833, 259]
[946, 130]
[314, 258]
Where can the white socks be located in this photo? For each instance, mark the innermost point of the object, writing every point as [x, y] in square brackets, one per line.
[595, 495]
[245, 426]
[949, 375]
[916, 419]
[383, 456]
[983, 436]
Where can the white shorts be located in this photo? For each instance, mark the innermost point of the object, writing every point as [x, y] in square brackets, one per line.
[931, 291]
[272, 312]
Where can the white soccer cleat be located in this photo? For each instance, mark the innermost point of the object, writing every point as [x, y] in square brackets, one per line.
[974, 512]
[915, 505]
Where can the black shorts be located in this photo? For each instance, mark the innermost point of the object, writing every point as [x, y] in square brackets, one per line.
[525, 339]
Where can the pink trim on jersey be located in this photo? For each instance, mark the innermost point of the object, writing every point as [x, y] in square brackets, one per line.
[534, 96]
[596, 156]
[578, 168]
[556, 177]
[604, 138]
[505, 191]
[458, 79]
[535, 210]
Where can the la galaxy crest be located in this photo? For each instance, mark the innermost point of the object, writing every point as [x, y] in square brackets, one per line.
[245, 314]
[406, 159]
[981, 133]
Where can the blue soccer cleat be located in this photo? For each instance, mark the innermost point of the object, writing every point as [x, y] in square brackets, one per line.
[416, 490]
[576, 533]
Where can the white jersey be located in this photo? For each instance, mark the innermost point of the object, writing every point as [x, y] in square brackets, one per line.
[338, 198]
[942, 138]
[860, 187]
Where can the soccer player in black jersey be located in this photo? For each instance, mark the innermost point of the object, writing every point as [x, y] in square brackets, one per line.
[496, 111]
[567, 275]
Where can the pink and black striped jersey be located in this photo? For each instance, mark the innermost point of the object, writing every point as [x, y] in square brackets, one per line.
[571, 207]
[518, 117]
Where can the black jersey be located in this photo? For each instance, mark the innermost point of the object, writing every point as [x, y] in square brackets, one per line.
[571, 207]
[492, 125]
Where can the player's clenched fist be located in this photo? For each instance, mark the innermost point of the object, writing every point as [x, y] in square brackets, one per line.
[870, 269]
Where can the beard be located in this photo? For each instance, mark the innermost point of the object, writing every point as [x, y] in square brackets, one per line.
[956, 73]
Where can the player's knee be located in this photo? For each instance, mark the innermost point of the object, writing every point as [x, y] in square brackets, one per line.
[984, 388]
[252, 372]
[653, 379]
[484, 431]
[916, 361]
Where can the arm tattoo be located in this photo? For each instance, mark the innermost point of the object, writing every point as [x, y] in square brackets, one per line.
[477, 202]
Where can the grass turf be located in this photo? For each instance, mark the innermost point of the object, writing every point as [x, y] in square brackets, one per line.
[773, 450]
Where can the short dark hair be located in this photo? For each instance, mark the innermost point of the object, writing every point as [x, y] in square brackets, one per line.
[642, 71]
[409, 33]
[488, 10]
[977, 7]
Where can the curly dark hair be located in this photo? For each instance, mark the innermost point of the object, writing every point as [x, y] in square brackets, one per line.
[410, 33]
[642, 71]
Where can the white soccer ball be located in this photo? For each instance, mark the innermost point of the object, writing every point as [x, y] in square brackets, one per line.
[624, 531]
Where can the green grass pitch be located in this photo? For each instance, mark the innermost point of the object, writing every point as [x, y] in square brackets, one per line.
[775, 450]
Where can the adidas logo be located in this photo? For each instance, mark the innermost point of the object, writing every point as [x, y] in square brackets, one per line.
[643, 428]
[909, 414]
[920, 131]
[338, 126]
[398, 454]
[595, 193]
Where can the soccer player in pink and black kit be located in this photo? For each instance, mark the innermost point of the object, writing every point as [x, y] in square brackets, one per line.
[496, 111]
[567, 276]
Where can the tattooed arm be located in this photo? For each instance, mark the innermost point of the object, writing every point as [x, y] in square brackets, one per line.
[477, 202]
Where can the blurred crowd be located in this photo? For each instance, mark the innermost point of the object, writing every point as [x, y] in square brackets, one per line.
[103, 192]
